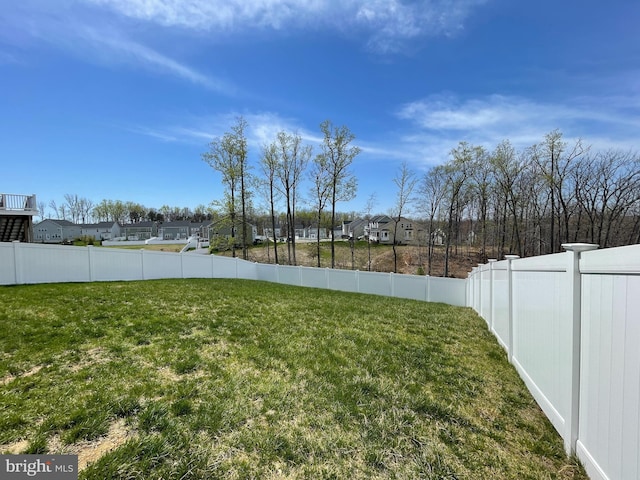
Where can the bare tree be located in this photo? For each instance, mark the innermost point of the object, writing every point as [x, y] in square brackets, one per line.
[405, 182]
[433, 190]
[269, 166]
[292, 162]
[368, 209]
[339, 155]
[42, 207]
[321, 194]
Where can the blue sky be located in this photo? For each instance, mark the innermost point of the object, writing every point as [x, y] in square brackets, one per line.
[118, 99]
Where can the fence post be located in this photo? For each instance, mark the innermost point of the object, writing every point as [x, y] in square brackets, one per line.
[575, 314]
[90, 253]
[490, 319]
[17, 262]
[480, 289]
[428, 277]
[510, 342]
[142, 262]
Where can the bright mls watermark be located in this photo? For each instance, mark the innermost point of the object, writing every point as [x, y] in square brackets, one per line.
[49, 467]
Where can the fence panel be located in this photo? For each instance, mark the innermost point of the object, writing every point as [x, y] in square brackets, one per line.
[52, 263]
[609, 441]
[343, 280]
[288, 275]
[542, 333]
[448, 290]
[410, 286]
[376, 283]
[313, 277]
[158, 265]
[500, 303]
[485, 294]
[197, 266]
[7, 261]
[224, 267]
[112, 264]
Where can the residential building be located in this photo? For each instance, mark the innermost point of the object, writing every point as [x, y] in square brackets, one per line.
[56, 231]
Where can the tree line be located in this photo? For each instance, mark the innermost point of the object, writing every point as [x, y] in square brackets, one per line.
[525, 202]
[532, 201]
[83, 210]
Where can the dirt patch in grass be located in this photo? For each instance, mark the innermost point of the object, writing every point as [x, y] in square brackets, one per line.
[15, 447]
[10, 378]
[89, 452]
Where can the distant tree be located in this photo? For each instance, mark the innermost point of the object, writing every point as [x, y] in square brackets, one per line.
[339, 155]
[456, 172]
[321, 194]
[432, 190]
[368, 209]
[72, 206]
[42, 208]
[228, 155]
[269, 166]
[405, 182]
[85, 208]
[293, 157]
[556, 160]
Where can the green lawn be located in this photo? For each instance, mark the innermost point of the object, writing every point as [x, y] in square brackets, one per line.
[180, 379]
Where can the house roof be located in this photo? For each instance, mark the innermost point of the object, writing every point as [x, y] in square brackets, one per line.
[97, 225]
[60, 223]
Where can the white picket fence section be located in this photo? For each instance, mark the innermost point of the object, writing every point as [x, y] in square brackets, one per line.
[25, 263]
[570, 323]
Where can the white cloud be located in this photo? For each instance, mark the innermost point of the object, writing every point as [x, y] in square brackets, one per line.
[441, 121]
[387, 23]
[262, 128]
[82, 33]
[125, 50]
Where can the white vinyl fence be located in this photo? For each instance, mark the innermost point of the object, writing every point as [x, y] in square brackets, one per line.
[570, 323]
[22, 263]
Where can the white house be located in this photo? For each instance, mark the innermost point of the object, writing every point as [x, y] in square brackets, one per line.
[55, 231]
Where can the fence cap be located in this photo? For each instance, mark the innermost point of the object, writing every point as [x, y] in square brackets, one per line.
[579, 247]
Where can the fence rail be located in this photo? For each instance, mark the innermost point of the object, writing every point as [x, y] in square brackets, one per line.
[36, 263]
[570, 323]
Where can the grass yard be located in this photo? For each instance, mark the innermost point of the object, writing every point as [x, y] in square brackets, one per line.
[206, 379]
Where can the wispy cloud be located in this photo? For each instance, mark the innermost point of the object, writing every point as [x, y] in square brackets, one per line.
[123, 49]
[82, 33]
[386, 23]
[441, 121]
[262, 128]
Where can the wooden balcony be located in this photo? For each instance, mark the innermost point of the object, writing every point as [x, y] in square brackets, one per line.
[16, 217]
[12, 204]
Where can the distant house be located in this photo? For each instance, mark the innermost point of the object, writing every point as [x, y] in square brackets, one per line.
[180, 230]
[223, 229]
[139, 230]
[100, 231]
[437, 237]
[311, 233]
[55, 231]
[268, 231]
[354, 228]
[384, 229]
[377, 229]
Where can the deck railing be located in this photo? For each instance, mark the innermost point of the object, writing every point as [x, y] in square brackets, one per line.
[14, 203]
